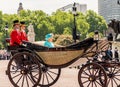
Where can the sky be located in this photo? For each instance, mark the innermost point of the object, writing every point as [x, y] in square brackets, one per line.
[48, 6]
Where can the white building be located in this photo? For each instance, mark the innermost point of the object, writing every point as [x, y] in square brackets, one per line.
[109, 9]
[80, 7]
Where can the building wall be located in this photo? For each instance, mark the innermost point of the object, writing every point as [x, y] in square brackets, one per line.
[109, 9]
[80, 7]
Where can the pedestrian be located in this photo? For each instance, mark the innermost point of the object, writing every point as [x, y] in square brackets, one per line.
[22, 31]
[15, 35]
[116, 54]
[110, 37]
[109, 54]
[49, 40]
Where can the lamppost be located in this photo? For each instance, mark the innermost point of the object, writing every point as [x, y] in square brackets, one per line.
[74, 11]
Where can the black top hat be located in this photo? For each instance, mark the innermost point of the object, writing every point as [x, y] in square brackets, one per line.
[22, 22]
[15, 21]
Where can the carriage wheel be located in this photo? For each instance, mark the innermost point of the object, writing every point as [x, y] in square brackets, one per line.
[24, 70]
[88, 76]
[49, 76]
[113, 75]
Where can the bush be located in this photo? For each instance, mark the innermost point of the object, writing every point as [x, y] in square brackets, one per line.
[63, 40]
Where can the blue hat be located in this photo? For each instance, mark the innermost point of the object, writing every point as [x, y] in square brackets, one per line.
[48, 36]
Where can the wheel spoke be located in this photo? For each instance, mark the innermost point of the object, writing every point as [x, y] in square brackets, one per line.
[92, 84]
[14, 71]
[112, 82]
[117, 71]
[117, 75]
[85, 81]
[98, 83]
[89, 71]
[53, 72]
[96, 72]
[12, 65]
[95, 84]
[86, 73]
[16, 76]
[47, 78]
[108, 82]
[27, 81]
[115, 81]
[19, 79]
[35, 76]
[88, 84]
[114, 69]
[43, 79]
[117, 78]
[110, 69]
[23, 81]
[93, 71]
[84, 77]
[30, 79]
[50, 76]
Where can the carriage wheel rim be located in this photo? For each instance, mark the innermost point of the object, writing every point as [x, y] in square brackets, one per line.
[23, 75]
[91, 82]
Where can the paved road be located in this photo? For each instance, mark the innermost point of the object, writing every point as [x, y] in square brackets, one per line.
[68, 78]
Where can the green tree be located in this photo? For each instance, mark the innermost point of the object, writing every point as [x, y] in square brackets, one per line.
[95, 21]
[82, 25]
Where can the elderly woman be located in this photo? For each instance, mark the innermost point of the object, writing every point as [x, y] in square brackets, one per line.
[49, 40]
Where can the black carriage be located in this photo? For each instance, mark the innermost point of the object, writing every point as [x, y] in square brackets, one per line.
[32, 64]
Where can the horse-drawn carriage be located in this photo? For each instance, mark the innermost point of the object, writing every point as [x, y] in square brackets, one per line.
[33, 65]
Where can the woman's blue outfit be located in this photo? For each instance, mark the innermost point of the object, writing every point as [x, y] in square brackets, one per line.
[48, 44]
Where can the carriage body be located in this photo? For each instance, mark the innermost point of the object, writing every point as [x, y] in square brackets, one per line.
[51, 60]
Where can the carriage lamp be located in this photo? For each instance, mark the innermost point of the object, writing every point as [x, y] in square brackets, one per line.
[96, 38]
[74, 12]
[96, 35]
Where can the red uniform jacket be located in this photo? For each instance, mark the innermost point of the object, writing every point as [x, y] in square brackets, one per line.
[24, 36]
[15, 38]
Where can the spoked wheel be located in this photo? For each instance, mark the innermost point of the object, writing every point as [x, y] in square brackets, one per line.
[88, 76]
[113, 75]
[49, 76]
[24, 70]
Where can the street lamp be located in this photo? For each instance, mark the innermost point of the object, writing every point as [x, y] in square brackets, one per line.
[96, 35]
[74, 11]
